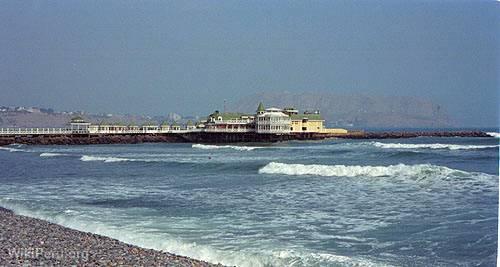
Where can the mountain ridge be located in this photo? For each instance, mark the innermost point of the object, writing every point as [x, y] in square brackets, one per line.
[358, 110]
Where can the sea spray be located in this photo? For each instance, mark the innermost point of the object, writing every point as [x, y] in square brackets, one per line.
[493, 134]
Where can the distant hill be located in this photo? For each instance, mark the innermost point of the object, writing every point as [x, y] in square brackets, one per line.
[355, 110]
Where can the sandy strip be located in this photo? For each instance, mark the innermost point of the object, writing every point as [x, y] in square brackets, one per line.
[32, 242]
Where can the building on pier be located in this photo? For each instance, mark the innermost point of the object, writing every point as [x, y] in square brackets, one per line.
[264, 121]
[272, 121]
[229, 122]
[78, 125]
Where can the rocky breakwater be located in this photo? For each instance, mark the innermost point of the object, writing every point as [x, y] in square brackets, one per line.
[26, 241]
[404, 134]
[91, 139]
[203, 137]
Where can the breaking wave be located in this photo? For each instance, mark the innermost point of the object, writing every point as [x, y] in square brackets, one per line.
[431, 146]
[48, 154]
[11, 149]
[239, 148]
[104, 159]
[176, 160]
[493, 134]
[419, 170]
[166, 242]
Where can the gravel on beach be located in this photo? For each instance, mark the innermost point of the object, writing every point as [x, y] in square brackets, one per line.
[28, 241]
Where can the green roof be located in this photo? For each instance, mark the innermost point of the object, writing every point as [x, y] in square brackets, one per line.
[316, 117]
[261, 108]
[150, 123]
[78, 119]
[229, 115]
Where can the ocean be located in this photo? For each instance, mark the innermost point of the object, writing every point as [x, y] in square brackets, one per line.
[405, 202]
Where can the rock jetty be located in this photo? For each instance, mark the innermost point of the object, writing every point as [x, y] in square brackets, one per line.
[206, 137]
[26, 241]
[396, 135]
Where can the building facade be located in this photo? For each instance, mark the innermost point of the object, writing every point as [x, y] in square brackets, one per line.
[229, 122]
[307, 123]
[272, 121]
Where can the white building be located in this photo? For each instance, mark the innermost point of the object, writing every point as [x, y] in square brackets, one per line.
[272, 121]
[79, 126]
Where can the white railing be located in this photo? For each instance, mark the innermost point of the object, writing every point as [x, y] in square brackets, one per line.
[228, 130]
[18, 131]
[41, 131]
[241, 122]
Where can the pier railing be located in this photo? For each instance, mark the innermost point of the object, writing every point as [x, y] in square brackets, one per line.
[49, 131]
[34, 131]
[229, 130]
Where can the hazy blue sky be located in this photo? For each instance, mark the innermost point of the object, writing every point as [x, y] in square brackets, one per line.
[155, 57]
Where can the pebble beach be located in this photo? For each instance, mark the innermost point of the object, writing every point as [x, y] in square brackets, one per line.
[28, 241]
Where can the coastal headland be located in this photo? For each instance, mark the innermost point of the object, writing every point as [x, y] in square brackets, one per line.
[26, 241]
[210, 138]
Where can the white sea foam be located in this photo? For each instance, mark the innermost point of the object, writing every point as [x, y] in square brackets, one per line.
[493, 134]
[240, 148]
[110, 159]
[104, 159]
[132, 234]
[431, 146]
[48, 154]
[354, 171]
[11, 149]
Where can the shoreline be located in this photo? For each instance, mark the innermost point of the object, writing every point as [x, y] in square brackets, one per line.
[214, 138]
[30, 241]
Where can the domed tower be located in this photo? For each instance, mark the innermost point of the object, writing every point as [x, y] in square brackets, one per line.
[260, 109]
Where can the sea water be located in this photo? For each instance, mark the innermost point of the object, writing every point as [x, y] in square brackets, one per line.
[422, 201]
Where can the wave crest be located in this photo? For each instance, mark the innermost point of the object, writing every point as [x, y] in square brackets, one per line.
[11, 149]
[239, 148]
[104, 159]
[354, 171]
[431, 146]
[48, 154]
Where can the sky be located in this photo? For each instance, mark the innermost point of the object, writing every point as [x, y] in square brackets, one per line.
[156, 57]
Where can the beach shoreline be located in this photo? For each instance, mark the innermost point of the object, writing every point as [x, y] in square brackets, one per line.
[30, 241]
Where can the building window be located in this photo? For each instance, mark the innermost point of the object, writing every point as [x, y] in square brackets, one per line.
[304, 128]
